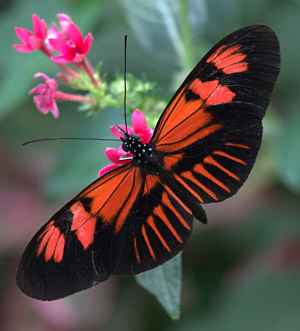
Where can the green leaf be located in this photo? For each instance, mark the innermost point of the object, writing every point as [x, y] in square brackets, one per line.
[164, 282]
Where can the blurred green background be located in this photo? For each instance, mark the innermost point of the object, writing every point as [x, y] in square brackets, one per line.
[241, 271]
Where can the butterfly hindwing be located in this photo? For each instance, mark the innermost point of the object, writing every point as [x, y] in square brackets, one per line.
[156, 230]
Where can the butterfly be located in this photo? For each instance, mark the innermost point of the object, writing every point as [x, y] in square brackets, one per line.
[140, 215]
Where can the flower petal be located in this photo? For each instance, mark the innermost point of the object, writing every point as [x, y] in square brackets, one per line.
[64, 21]
[139, 122]
[62, 58]
[59, 45]
[54, 110]
[75, 35]
[35, 42]
[23, 48]
[87, 43]
[78, 58]
[23, 34]
[113, 154]
[116, 133]
[39, 27]
[42, 75]
[106, 169]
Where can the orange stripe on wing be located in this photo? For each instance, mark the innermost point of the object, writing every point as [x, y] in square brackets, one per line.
[167, 202]
[201, 169]
[136, 251]
[59, 249]
[55, 246]
[183, 183]
[230, 61]
[215, 54]
[230, 157]
[170, 192]
[44, 237]
[237, 145]
[234, 68]
[158, 211]
[150, 221]
[189, 175]
[210, 160]
[148, 242]
[132, 194]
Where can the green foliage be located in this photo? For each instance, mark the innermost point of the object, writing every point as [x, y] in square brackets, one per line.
[165, 283]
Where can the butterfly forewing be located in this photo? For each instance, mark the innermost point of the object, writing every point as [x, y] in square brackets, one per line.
[73, 251]
[242, 67]
[211, 130]
[122, 224]
[140, 215]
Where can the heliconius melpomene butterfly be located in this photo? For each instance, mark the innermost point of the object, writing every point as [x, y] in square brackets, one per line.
[140, 215]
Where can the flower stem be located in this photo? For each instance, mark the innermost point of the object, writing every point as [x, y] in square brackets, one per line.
[87, 67]
[68, 70]
[44, 49]
[60, 96]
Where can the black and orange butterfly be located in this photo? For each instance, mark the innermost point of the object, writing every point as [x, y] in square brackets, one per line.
[140, 215]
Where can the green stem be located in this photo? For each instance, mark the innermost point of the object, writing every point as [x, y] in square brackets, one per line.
[186, 34]
[60, 96]
[173, 31]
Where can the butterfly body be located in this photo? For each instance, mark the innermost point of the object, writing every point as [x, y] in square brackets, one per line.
[140, 215]
[142, 154]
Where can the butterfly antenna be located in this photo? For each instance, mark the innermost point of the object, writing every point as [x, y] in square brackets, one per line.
[125, 71]
[65, 138]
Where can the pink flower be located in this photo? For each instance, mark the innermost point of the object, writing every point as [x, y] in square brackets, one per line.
[45, 99]
[74, 49]
[55, 33]
[139, 124]
[32, 41]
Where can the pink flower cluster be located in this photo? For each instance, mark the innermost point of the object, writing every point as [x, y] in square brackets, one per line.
[114, 155]
[66, 40]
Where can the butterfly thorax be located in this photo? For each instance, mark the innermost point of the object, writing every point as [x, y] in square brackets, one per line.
[142, 153]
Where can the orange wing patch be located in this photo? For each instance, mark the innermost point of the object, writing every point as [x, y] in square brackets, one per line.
[229, 60]
[52, 243]
[83, 224]
[212, 92]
